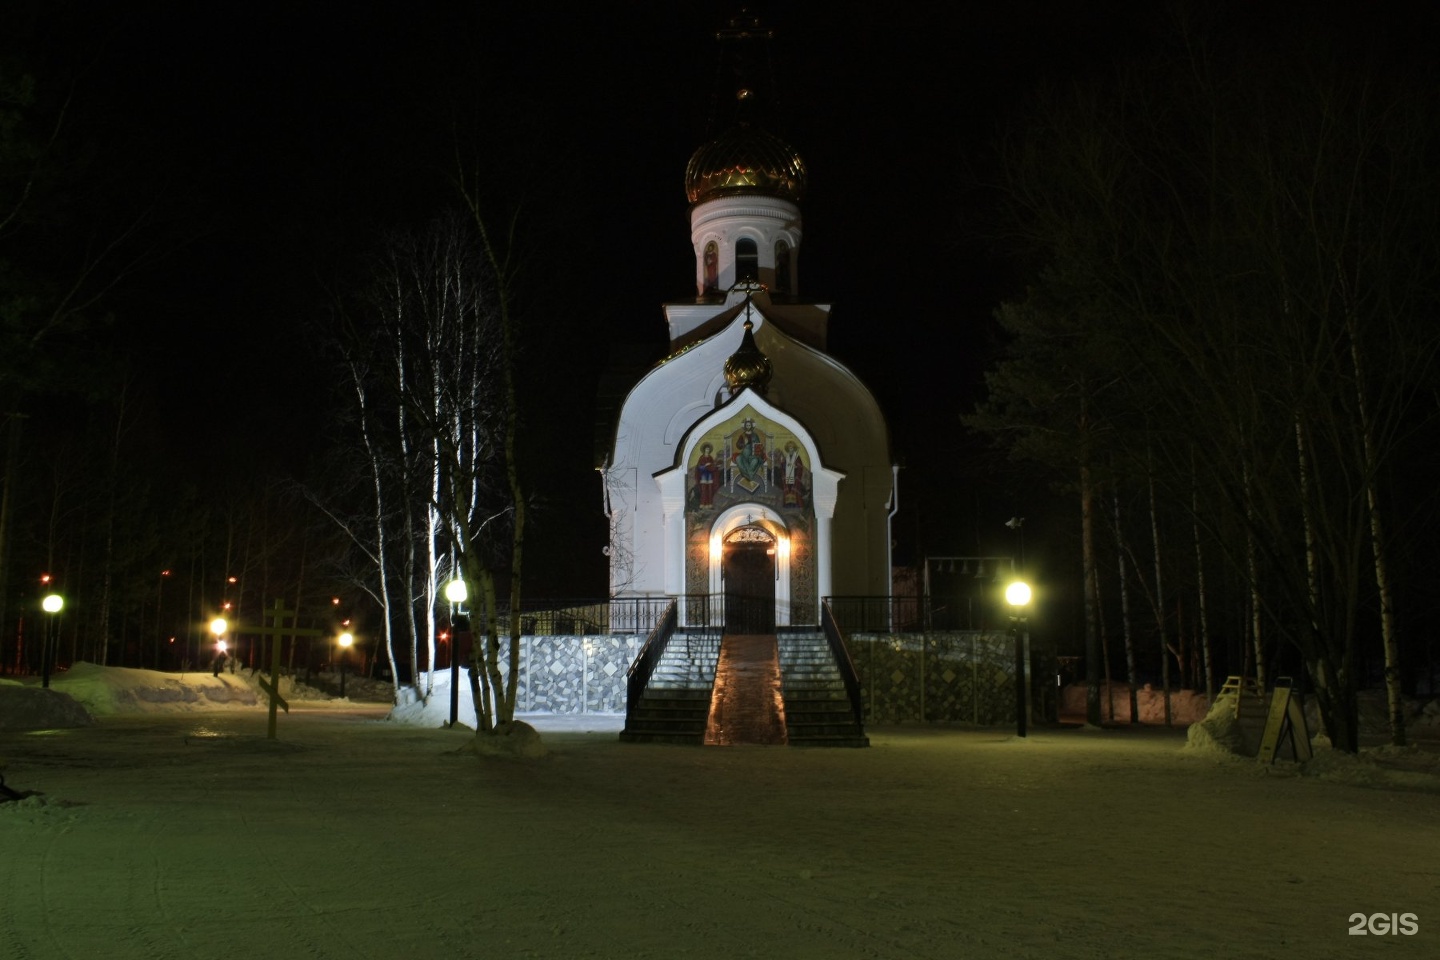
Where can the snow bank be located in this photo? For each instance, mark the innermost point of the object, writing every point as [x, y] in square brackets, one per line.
[86, 691]
[1387, 767]
[1221, 734]
[1374, 709]
[107, 691]
[28, 707]
[1218, 732]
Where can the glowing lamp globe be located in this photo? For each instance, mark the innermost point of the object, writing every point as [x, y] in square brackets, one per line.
[455, 591]
[218, 626]
[346, 639]
[53, 603]
[1017, 594]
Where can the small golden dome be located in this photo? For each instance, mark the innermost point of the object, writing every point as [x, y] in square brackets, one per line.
[745, 159]
[748, 367]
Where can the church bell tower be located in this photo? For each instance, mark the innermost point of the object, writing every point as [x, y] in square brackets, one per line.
[749, 463]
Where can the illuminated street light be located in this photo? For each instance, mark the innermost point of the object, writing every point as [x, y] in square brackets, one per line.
[52, 604]
[345, 639]
[457, 594]
[218, 626]
[1017, 594]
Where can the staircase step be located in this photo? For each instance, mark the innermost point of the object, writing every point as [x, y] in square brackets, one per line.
[803, 709]
[675, 704]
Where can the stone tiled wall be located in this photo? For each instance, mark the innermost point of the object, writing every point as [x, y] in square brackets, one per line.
[568, 674]
[965, 676]
[962, 676]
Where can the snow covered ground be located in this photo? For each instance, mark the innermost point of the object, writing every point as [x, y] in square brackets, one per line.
[172, 827]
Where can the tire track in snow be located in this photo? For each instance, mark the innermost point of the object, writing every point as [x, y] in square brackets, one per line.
[336, 943]
[10, 923]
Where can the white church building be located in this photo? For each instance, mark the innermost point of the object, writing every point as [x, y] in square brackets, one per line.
[750, 473]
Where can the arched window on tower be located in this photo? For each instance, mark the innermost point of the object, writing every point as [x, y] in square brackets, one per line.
[782, 267]
[712, 267]
[747, 261]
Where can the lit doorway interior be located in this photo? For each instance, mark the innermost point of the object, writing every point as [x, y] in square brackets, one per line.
[749, 573]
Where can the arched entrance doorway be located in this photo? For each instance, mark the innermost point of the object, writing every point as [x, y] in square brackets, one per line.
[749, 573]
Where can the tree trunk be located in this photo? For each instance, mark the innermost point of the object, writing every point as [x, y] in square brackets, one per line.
[8, 498]
[495, 717]
[499, 253]
[372, 459]
[1087, 535]
[1252, 570]
[1105, 650]
[1160, 605]
[1338, 708]
[1131, 676]
[1203, 619]
[1394, 696]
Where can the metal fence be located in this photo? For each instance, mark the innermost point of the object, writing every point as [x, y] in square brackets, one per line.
[907, 673]
[963, 676]
[735, 614]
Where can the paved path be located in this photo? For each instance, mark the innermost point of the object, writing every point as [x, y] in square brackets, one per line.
[747, 706]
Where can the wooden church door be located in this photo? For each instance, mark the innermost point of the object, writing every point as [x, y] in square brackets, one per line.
[749, 572]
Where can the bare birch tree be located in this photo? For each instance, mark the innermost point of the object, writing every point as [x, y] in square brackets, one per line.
[419, 347]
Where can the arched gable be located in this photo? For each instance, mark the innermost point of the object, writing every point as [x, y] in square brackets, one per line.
[750, 463]
[723, 423]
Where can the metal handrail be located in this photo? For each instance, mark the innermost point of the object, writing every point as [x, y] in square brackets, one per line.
[836, 638]
[637, 678]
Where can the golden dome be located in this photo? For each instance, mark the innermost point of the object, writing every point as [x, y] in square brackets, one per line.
[748, 367]
[745, 159]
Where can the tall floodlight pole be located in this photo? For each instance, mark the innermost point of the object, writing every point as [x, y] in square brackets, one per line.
[1017, 594]
[52, 604]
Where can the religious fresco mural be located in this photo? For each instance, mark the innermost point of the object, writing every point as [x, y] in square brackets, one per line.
[749, 459]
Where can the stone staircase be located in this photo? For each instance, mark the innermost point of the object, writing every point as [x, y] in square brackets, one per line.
[817, 708]
[675, 706]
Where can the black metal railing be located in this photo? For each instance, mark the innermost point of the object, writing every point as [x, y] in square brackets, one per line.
[638, 677]
[637, 614]
[737, 614]
[836, 638]
[707, 612]
[550, 617]
[912, 614]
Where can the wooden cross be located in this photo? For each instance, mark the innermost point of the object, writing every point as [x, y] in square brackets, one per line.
[275, 631]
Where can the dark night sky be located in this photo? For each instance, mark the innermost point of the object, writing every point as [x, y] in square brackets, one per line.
[299, 132]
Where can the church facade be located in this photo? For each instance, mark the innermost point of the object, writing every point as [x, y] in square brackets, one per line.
[750, 474]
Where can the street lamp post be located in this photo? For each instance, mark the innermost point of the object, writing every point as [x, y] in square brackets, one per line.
[218, 626]
[52, 604]
[457, 594]
[160, 616]
[1017, 594]
[345, 639]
